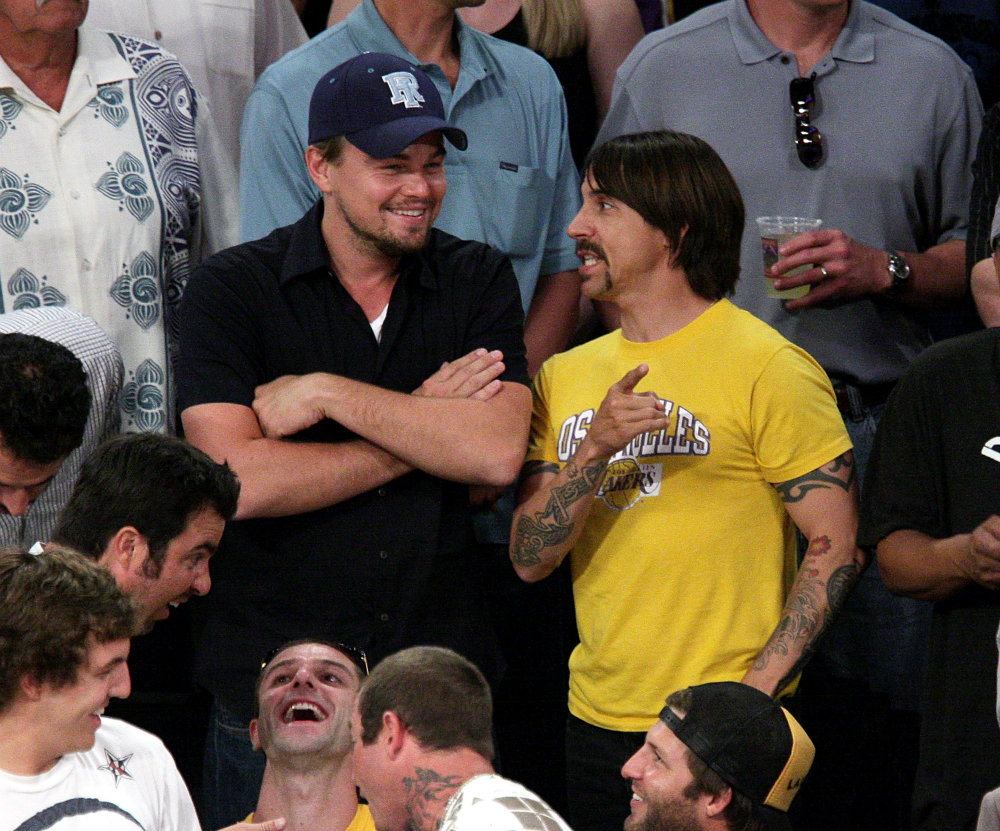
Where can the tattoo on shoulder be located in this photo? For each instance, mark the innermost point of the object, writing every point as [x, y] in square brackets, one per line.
[838, 473]
[426, 793]
[552, 525]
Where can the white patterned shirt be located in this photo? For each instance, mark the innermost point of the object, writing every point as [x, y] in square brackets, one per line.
[103, 207]
[103, 365]
[255, 33]
[491, 803]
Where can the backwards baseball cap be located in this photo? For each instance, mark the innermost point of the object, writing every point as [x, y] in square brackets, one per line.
[380, 103]
[752, 742]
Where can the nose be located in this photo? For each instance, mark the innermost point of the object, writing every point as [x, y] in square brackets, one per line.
[15, 500]
[577, 227]
[203, 581]
[416, 184]
[632, 769]
[121, 682]
[303, 677]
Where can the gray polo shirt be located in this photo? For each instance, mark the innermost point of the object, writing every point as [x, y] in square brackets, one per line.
[900, 117]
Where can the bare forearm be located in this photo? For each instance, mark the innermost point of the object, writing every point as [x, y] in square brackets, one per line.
[280, 477]
[936, 274]
[828, 572]
[986, 291]
[916, 565]
[461, 439]
[547, 525]
[552, 317]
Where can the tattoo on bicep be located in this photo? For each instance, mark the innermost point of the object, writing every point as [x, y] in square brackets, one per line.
[427, 787]
[552, 525]
[838, 473]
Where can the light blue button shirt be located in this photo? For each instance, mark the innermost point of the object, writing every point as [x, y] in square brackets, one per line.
[515, 187]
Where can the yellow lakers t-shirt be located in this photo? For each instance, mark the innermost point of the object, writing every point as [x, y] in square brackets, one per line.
[684, 563]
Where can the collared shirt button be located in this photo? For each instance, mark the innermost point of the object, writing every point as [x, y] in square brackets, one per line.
[158, 34]
[383, 555]
[381, 491]
[62, 132]
[786, 60]
[87, 265]
[75, 194]
[383, 617]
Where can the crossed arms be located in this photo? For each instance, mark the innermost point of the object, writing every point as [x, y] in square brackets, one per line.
[462, 423]
[554, 504]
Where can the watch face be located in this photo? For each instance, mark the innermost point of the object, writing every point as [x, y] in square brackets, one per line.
[898, 268]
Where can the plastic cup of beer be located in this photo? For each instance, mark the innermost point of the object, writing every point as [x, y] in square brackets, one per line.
[774, 232]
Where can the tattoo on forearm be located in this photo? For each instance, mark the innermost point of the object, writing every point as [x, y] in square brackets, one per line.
[552, 525]
[805, 617]
[426, 794]
[837, 473]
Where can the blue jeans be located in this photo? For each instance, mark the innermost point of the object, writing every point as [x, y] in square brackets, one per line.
[233, 770]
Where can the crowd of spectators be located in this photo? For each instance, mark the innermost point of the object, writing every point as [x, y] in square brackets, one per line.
[296, 286]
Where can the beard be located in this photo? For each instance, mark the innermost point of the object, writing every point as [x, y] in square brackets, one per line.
[669, 815]
[381, 240]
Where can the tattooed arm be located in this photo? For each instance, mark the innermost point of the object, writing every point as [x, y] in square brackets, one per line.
[554, 503]
[824, 506]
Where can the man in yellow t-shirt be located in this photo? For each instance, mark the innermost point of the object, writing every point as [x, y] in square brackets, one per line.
[305, 696]
[674, 458]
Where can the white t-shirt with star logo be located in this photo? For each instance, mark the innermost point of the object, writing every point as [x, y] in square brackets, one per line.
[127, 781]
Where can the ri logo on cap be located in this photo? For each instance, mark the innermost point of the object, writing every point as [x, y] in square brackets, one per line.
[404, 88]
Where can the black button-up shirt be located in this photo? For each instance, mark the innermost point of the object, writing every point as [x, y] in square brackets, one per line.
[388, 568]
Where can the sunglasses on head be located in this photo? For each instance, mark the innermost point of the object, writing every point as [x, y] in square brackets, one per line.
[808, 141]
[357, 656]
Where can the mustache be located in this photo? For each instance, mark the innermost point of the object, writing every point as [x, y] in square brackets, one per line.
[592, 247]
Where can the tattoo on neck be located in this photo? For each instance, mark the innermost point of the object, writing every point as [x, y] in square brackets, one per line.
[427, 794]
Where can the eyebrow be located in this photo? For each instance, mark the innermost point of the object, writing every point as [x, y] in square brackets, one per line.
[111, 664]
[325, 662]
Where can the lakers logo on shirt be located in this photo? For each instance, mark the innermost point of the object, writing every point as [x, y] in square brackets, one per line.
[627, 481]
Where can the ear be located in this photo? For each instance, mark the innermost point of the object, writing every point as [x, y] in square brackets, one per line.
[718, 803]
[318, 168]
[254, 734]
[125, 554]
[393, 733]
[29, 687]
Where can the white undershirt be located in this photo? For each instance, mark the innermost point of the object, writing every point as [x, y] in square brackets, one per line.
[378, 322]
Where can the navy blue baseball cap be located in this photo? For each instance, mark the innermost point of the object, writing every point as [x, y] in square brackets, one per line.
[380, 103]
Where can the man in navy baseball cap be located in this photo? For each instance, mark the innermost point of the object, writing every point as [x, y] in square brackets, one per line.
[380, 104]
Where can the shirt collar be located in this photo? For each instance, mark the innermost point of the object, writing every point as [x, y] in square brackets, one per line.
[307, 254]
[369, 33]
[98, 61]
[856, 42]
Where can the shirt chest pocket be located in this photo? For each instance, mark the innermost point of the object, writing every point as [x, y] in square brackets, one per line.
[229, 22]
[509, 200]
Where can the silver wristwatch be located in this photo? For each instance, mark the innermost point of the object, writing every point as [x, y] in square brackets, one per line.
[899, 270]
